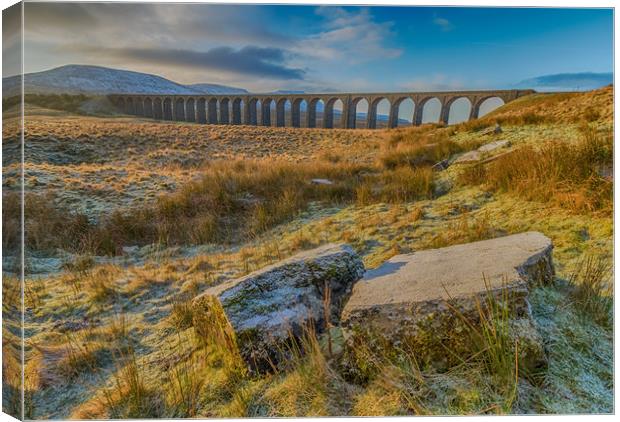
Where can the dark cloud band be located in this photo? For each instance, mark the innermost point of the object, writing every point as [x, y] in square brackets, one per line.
[250, 60]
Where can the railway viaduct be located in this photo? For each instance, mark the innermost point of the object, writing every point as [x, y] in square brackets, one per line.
[245, 109]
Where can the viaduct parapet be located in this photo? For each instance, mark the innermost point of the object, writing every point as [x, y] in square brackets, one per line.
[257, 109]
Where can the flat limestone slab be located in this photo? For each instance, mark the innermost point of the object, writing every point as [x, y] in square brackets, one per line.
[411, 299]
[477, 154]
[469, 157]
[458, 269]
[492, 146]
[268, 307]
[409, 287]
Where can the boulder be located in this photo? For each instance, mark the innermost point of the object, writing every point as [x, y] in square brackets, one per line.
[261, 313]
[420, 297]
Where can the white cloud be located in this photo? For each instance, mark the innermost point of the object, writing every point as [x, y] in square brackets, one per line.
[354, 37]
[444, 24]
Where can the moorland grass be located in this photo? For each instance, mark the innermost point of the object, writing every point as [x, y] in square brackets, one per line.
[569, 175]
[206, 378]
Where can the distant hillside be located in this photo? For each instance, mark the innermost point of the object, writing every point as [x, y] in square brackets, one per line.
[584, 81]
[82, 79]
[217, 89]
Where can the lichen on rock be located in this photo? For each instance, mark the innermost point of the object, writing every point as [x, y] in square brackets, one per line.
[270, 308]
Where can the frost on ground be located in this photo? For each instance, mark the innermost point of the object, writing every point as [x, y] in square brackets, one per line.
[94, 323]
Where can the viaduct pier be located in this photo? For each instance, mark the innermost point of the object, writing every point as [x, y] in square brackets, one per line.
[258, 109]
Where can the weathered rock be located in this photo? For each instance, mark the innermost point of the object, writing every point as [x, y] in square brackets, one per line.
[441, 165]
[476, 155]
[268, 308]
[496, 157]
[416, 295]
[497, 129]
[469, 157]
[321, 182]
[492, 146]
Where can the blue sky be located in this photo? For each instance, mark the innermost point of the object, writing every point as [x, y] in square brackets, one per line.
[263, 48]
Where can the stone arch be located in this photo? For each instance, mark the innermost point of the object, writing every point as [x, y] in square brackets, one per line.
[281, 111]
[428, 110]
[148, 107]
[375, 105]
[139, 106]
[120, 104]
[296, 109]
[311, 117]
[252, 112]
[158, 108]
[338, 113]
[224, 111]
[329, 114]
[237, 110]
[190, 110]
[179, 109]
[129, 108]
[168, 108]
[404, 112]
[450, 110]
[212, 111]
[486, 105]
[266, 111]
[357, 105]
[201, 110]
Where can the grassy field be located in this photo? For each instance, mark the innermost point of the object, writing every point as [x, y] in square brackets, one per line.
[129, 219]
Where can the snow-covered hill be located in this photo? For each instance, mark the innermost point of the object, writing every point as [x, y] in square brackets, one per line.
[216, 89]
[83, 79]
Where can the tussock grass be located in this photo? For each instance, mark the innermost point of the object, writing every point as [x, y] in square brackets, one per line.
[231, 202]
[408, 148]
[467, 228]
[182, 313]
[11, 371]
[131, 396]
[565, 174]
[311, 386]
[79, 356]
[592, 288]
[101, 284]
[402, 184]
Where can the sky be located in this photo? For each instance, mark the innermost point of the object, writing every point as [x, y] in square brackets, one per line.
[327, 48]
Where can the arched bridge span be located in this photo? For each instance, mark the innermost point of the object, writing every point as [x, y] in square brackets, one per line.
[272, 109]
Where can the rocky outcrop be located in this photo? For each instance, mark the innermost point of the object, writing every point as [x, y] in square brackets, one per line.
[261, 313]
[477, 154]
[418, 297]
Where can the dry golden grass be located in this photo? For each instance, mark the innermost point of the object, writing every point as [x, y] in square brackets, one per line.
[248, 190]
[570, 175]
[591, 106]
